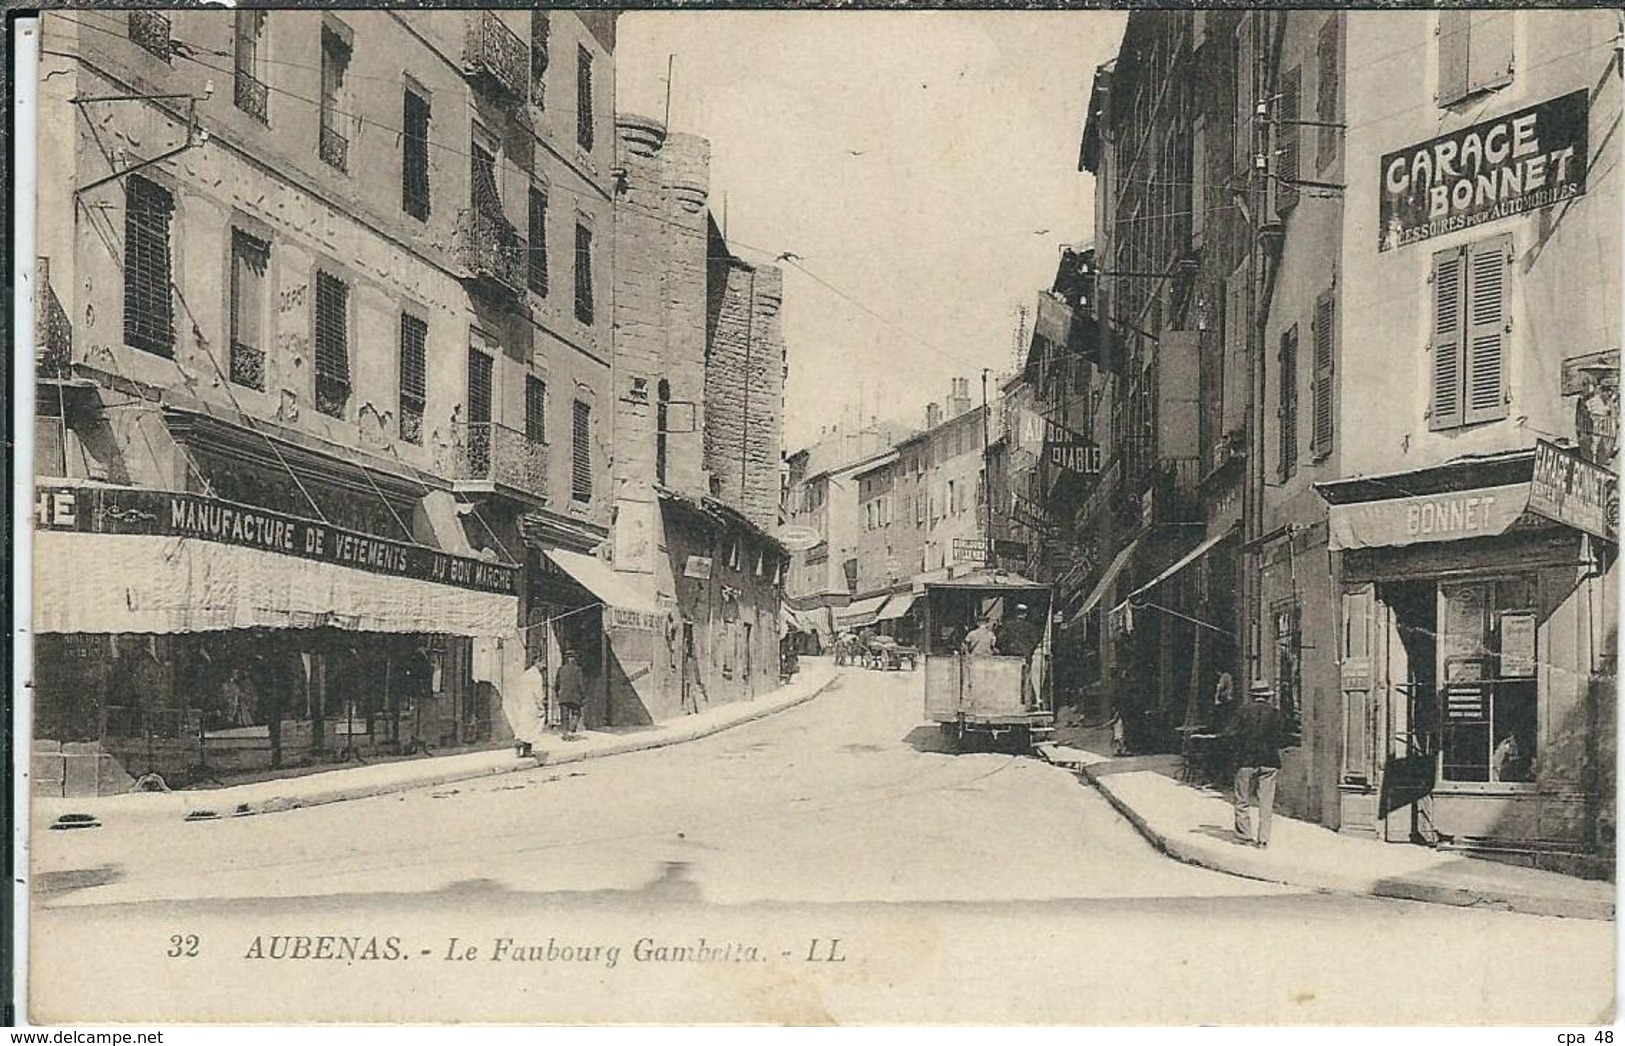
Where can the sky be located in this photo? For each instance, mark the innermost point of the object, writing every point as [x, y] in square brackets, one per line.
[922, 165]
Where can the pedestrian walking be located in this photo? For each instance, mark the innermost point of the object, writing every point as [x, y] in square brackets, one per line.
[570, 688]
[1255, 735]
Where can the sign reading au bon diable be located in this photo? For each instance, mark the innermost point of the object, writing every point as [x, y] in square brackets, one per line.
[1573, 491]
[1525, 160]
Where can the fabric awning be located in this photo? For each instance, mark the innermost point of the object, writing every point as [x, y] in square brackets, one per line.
[629, 606]
[146, 583]
[1179, 564]
[863, 612]
[1448, 516]
[1096, 594]
[897, 606]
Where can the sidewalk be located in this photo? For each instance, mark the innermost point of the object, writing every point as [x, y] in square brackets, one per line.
[1194, 825]
[332, 786]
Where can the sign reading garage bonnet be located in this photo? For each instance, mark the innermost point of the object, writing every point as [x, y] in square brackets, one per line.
[1525, 160]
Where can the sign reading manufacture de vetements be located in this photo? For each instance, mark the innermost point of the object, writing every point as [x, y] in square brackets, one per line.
[105, 510]
[1525, 160]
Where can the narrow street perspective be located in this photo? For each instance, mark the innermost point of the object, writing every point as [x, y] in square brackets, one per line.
[841, 819]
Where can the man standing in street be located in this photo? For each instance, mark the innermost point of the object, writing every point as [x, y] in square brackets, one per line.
[570, 689]
[1019, 638]
[1255, 734]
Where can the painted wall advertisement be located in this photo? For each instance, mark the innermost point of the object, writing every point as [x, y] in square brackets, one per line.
[1525, 160]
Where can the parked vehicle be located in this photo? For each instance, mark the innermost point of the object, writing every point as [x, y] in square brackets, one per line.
[1004, 695]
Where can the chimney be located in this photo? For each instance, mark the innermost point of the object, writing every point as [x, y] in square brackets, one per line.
[933, 415]
[959, 401]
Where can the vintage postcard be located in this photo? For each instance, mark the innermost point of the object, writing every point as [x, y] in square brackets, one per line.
[806, 517]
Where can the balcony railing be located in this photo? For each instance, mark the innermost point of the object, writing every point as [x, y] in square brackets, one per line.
[497, 57]
[251, 95]
[150, 29]
[495, 454]
[492, 251]
[247, 366]
[53, 333]
[334, 149]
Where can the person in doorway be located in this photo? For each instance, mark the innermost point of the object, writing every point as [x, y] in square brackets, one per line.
[1255, 736]
[570, 688]
[981, 640]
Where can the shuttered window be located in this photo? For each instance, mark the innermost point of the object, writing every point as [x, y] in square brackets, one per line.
[332, 344]
[584, 302]
[1328, 64]
[1475, 53]
[535, 409]
[1288, 110]
[1470, 334]
[479, 387]
[584, 117]
[250, 258]
[414, 376]
[1288, 411]
[149, 320]
[536, 269]
[1323, 388]
[581, 452]
[541, 28]
[415, 156]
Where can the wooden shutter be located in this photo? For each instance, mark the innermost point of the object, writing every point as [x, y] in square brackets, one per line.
[581, 452]
[1486, 355]
[149, 322]
[1328, 64]
[332, 344]
[480, 386]
[1489, 50]
[536, 271]
[1357, 663]
[1320, 437]
[1453, 25]
[1288, 110]
[1287, 414]
[1449, 295]
[414, 382]
[535, 409]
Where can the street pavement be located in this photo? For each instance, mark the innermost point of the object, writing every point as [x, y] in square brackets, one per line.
[827, 864]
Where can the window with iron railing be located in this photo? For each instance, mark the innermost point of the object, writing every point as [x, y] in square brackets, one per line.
[581, 452]
[149, 320]
[149, 30]
[332, 345]
[250, 260]
[415, 155]
[332, 145]
[250, 93]
[413, 377]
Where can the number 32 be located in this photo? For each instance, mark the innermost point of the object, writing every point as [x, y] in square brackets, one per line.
[183, 946]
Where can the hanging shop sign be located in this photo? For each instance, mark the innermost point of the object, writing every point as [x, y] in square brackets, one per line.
[1077, 456]
[1525, 160]
[1570, 490]
[697, 567]
[162, 513]
[970, 550]
[1004, 548]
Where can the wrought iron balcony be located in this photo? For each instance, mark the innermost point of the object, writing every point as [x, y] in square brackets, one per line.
[150, 29]
[492, 456]
[247, 366]
[496, 57]
[252, 96]
[334, 149]
[53, 333]
[492, 251]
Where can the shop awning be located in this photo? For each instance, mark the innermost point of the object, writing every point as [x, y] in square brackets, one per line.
[1098, 593]
[629, 607]
[151, 583]
[863, 612]
[897, 606]
[1179, 564]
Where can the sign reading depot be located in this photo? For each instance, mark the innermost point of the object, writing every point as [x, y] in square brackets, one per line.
[1525, 160]
[165, 513]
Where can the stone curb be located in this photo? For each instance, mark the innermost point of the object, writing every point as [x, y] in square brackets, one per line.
[189, 811]
[1399, 888]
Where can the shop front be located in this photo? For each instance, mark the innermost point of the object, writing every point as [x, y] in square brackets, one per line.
[1476, 661]
[197, 639]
